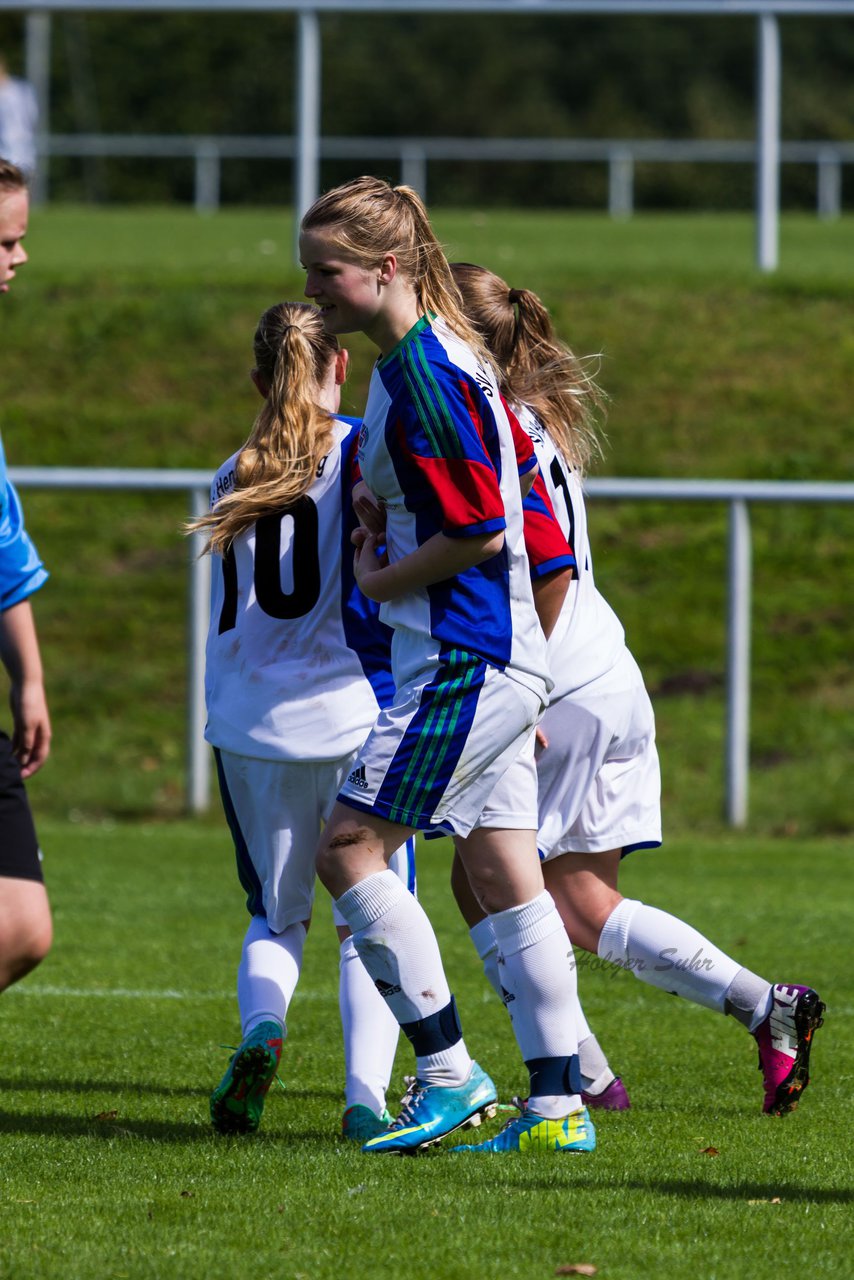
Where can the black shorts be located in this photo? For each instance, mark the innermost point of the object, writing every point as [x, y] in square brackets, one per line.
[19, 847]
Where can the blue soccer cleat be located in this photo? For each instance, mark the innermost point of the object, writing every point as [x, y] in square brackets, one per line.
[238, 1100]
[359, 1123]
[430, 1111]
[573, 1134]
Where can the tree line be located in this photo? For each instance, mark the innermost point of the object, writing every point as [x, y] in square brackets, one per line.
[467, 75]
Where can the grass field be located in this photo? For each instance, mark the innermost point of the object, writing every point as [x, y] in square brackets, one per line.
[110, 1170]
[127, 340]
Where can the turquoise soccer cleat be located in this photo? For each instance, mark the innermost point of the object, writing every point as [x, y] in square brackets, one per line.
[430, 1111]
[238, 1100]
[573, 1134]
[359, 1123]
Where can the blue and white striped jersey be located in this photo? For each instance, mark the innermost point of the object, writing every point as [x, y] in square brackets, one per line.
[437, 450]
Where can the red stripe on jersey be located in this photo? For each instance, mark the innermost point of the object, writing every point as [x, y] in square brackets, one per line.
[467, 493]
[544, 539]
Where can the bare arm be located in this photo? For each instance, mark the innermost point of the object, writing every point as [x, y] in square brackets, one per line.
[19, 651]
[549, 594]
[439, 558]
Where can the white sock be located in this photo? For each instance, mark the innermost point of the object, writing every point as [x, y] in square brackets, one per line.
[483, 937]
[596, 1073]
[537, 971]
[268, 973]
[667, 953]
[370, 1033]
[397, 945]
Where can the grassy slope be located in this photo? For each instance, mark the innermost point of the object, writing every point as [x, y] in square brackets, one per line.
[128, 341]
[109, 1168]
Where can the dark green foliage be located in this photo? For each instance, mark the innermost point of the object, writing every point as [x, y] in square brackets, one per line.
[467, 75]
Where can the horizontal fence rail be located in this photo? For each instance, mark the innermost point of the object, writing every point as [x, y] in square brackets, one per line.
[738, 494]
[413, 155]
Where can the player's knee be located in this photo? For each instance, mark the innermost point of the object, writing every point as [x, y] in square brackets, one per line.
[23, 947]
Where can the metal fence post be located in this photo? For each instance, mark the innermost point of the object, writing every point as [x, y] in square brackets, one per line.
[768, 144]
[207, 164]
[829, 184]
[198, 751]
[413, 168]
[307, 175]
[738, 664]
[621, 183]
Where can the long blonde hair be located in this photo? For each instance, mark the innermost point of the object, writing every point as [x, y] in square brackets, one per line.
[536, 368]
[291, 434]
[368, 218]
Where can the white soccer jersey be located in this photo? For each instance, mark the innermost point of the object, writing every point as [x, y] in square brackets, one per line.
[437, 450]
[297, 661]
[588, 638]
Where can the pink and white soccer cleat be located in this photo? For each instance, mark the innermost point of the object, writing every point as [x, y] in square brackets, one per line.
[784, 1038]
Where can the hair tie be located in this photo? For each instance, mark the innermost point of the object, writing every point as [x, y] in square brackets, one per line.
[513, 296]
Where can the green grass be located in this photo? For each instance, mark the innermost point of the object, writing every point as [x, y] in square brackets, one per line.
[127, 340]
[110, 1050]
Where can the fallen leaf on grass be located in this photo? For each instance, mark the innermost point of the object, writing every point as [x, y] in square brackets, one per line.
[576, 1269]
[709, 1151]
[774, 1200]
[106, 1115]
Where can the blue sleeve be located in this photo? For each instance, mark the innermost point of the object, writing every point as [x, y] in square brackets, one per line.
[21, 570]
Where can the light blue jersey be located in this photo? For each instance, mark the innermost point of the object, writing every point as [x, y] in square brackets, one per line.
[21, 569]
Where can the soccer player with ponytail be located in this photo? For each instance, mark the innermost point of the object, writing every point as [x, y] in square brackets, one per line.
[469, 663]
[297, 668]
[599, 782]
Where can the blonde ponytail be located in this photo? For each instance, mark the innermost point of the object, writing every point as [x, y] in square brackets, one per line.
[291, 433]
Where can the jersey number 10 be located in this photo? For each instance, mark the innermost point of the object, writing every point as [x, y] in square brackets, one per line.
[305, 563]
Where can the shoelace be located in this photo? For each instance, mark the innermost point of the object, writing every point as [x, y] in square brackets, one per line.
[414, 1091]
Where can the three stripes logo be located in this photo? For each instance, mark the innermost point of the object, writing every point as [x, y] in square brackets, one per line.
[357, 778]
[386, 989]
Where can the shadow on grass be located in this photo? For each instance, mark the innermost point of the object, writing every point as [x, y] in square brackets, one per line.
[123, 1087]
[697, 1189]
[109, 1129]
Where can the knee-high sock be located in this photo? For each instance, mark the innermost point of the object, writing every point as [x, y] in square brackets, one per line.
[398, 947]
[370, 1033]
[268, 973]
[596, 1073]
[667, 953]
[537, 974]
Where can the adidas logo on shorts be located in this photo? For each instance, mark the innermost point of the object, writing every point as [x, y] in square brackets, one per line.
[357, 778]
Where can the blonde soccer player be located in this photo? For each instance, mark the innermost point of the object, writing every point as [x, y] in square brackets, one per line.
[598, 770]
[469, 664]
[297, 667]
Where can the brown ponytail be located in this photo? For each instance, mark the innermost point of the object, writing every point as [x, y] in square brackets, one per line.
[537, 369]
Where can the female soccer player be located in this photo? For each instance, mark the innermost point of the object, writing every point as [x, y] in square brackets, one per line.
[26, 929]
[469, 665]
[297, 667]
[598, 773]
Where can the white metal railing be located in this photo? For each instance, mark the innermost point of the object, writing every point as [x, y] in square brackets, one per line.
[738, 494]
[412, 155]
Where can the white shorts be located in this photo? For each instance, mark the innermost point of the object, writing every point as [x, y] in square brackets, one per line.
[512, 804]
[599, 781]
[435, 755]
[275, 809]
